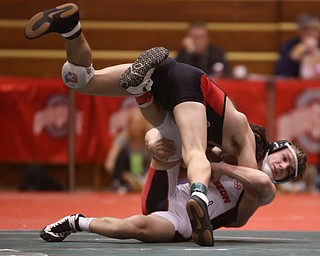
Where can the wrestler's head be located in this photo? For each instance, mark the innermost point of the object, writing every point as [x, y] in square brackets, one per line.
[284, 161]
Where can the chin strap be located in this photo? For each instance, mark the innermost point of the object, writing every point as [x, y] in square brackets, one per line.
[266, 168]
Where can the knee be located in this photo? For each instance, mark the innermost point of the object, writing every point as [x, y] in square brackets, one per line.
[137, 224]
[76, 77]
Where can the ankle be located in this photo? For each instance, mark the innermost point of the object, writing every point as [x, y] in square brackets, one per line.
[200, 190]
[84, 224]
[72, 34]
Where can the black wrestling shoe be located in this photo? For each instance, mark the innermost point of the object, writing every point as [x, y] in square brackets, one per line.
[137, 78]
[62, 19]
[202, 231]
[58, 231]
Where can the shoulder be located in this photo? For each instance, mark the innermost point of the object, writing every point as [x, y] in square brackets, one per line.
[215, 48]
[291, 42]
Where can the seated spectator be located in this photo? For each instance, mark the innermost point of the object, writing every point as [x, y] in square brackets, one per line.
[37, 179]
[199, 52]
[294, 51]
[129, 155]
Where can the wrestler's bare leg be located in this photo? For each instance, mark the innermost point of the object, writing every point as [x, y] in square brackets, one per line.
[151, 228]
[191, 121]
[64, 19]
[192, 124]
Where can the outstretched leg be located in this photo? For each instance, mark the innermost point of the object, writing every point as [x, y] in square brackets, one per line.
[149, 228]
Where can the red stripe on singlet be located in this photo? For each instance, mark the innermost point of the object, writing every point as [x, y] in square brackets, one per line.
[146, 189]
[213, 95]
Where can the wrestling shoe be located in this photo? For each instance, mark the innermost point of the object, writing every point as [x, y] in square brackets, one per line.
[137, 78]
[63, 19]
[58, 231]
[201, 226]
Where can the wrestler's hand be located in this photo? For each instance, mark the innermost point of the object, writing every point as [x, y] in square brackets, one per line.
[310, 43]
[189, 45]
[161, 148]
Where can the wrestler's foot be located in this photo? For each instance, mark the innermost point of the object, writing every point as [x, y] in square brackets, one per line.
[58, 231]
[137, 78]
[63, 19]
[200, 221]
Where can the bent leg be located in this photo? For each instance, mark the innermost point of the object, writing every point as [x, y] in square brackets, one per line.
[78, 72]
[144, 228]
[105, 82]
[192, 124]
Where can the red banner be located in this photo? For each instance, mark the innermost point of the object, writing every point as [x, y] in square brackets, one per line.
[249, 98]
[297, 114]
[34, 122]
[34, 117]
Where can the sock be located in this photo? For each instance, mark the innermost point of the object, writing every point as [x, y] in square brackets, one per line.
[202, 196]
[200, 190]
[84, 223]
[73, 33]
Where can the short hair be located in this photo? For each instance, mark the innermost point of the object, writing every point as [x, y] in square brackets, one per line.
[197, 24]
[302, 159]
[306, 20]
[262, 142]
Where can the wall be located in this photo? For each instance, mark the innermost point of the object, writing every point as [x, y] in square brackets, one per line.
[250, 31]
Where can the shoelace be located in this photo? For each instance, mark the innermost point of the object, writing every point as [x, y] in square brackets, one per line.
[61, 228]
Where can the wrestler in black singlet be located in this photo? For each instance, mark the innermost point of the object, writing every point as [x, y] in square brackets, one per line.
[175, 83]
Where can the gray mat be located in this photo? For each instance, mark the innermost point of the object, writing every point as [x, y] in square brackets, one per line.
[227, 243]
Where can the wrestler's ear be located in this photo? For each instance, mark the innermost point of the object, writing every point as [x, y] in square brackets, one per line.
[256, 135]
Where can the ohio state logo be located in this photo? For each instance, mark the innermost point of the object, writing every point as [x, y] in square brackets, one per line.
[303, 122]
[53, 118]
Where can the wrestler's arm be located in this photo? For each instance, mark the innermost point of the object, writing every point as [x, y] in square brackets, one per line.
[258, 189]
[238, 138]
[252, 180]
[105, 82]
[249, 203]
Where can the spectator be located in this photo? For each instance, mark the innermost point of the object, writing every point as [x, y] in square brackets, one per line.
[37, 179]
[296, 49]
[199, 52]
[131, 156]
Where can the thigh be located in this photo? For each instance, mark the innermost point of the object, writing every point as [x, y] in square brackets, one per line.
[158, 229]
[191, 120]
[106, 82]
[175, 83]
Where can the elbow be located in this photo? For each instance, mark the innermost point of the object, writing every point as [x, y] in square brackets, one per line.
[239, 223]
[267, 190]
[263, 181]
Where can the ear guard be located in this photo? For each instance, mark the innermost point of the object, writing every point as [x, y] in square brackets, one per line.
[276, 146]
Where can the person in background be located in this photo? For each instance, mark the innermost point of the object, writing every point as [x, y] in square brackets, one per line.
[37, 178]
[199, 52]
[294, 51]
[131, 160]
